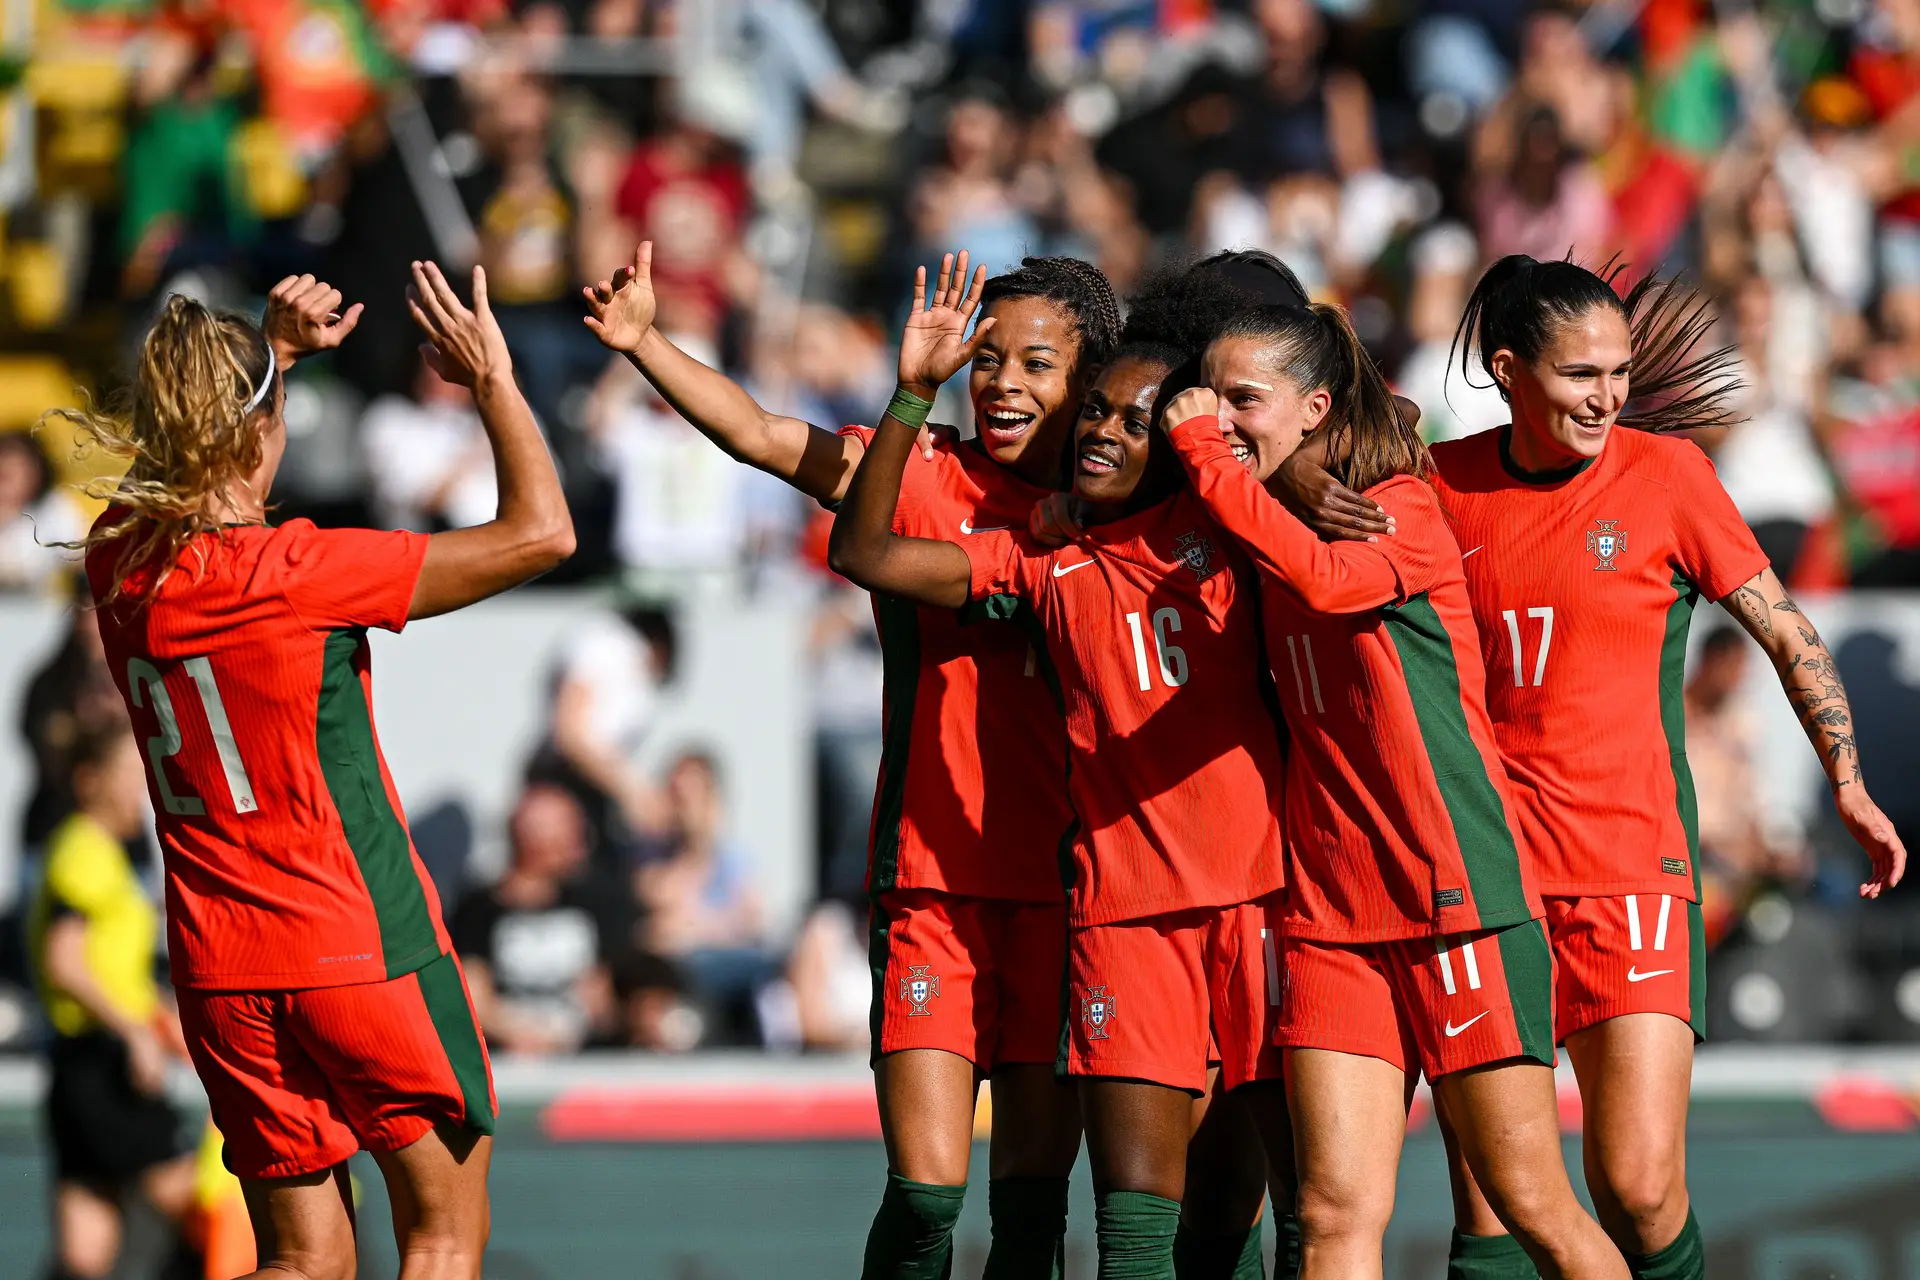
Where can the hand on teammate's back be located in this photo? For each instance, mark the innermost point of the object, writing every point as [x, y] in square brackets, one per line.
[1307, 489]
[621, 310]
[303, 317]
[464, 346]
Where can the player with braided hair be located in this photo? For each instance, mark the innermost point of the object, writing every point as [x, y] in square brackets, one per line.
[968, 917]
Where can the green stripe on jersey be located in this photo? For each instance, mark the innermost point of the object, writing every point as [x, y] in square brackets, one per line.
[350, 762]
[1673, 715]
[1479, 820]
[453, 1022]
[898, 622]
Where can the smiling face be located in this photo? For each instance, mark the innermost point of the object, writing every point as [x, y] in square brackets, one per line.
[1112, 445]
[1026, 385]
[1565, 403]
[1262, 413]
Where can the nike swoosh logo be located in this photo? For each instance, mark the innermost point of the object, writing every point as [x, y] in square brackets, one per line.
[1453, 1031]
[1634, 975]
[1062, 570]
[1463, 554]
[991, 528]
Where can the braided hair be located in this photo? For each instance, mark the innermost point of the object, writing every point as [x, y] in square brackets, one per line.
[1080, 288]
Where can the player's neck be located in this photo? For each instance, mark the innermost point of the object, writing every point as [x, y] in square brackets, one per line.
[1537, 457]
[240, 504]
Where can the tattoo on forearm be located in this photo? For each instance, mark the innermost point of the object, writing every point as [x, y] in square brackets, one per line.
[1786, 606]
[1753, 606]
[1820, 700]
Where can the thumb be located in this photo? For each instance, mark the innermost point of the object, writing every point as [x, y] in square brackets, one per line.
[643, 263]
[973, 343]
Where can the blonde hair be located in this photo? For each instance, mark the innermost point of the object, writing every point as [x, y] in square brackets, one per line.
[189, 430]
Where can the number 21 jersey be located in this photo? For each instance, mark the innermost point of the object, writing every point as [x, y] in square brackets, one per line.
[1583, 584]
[248, 679]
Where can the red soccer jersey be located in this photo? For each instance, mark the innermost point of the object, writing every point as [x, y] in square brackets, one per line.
[1583, 585]
[247, 676]
[1398, 804]
[972, 796]
[1176, 771]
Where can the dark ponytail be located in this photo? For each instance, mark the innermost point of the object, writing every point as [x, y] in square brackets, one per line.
[1079, 288]
[1316, 347]
[1520, 304]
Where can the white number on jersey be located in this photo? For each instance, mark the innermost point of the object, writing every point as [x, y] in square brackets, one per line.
[1171, 658]
[144, 681]
[1512, 616]
[1311, 680]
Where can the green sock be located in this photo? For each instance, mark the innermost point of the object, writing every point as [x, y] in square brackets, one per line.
[1029, 1229]
[1488, 1258]
[1218, 1255]
[1286, 1245]
[1136, 1233]
[1684, 1259]
[912, 1234]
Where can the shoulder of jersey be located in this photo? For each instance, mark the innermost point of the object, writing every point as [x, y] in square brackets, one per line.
[1669, 452]
[1463, 450]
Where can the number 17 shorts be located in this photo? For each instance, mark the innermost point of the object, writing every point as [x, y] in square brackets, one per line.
[1441, 1004]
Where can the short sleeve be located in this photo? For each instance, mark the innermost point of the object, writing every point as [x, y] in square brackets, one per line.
[1422, 542]
[918, 483]
[1002, 564]
[347, 577]
[1715, 548]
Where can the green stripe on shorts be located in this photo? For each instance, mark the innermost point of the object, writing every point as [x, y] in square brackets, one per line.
[1528, 962]
[1697, 968]
[452, 1016]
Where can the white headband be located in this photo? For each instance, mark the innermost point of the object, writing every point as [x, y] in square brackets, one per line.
[260, 392]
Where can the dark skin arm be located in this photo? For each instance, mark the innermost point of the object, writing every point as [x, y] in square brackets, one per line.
[863, 546]
[1812, 684]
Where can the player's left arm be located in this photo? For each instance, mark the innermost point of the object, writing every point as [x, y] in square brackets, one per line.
[1812, 683]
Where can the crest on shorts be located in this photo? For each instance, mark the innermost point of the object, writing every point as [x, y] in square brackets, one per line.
[917, 988]
[1096, 1011]
[1605, 541]
[1196, 552]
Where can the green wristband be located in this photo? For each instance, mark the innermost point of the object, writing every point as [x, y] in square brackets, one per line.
[908, 408]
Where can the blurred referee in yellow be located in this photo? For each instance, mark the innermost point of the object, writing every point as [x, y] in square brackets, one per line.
[92, 932]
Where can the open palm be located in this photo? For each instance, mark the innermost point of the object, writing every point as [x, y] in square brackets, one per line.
[935, 344]
[621, 310]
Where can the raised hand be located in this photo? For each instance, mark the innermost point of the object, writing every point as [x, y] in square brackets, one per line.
[622, 308]
[463, 346]
[1194, 402]
[304, 316]
[934, 346]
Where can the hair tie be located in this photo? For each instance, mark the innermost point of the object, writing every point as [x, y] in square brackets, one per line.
[260, 392]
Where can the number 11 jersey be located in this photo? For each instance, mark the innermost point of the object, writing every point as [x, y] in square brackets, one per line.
[1583, 584]
[248, 679]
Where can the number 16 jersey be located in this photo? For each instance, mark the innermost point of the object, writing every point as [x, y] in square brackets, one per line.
[1583, 583]
[247, 676]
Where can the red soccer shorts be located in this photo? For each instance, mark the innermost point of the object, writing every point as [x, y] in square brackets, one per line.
[1641, 953]
[1443, 1004]
[979, 977]
[1145, 995]
[300, 1080]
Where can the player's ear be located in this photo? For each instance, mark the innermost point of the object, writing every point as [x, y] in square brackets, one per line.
[1318, 403]
[1503, 363]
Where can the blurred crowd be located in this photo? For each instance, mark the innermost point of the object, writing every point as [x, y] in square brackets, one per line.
[792, 161]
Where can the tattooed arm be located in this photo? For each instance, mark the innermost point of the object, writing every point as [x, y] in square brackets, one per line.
[1812, 683]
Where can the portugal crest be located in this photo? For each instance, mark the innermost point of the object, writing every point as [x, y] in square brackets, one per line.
[1196, 552]
[1096, 1011]
[917, 988]
[1604, 542]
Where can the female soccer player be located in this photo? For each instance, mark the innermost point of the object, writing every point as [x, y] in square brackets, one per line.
[1411, 938]
[1587, 550]
[1174, 759]
[970, 815]
[322, 1006]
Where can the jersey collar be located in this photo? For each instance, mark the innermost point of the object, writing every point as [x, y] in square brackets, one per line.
[1556, 476]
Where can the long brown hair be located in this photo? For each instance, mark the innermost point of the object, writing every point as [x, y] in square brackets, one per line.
[1521, 303]
[1315, 347]
[187, 432]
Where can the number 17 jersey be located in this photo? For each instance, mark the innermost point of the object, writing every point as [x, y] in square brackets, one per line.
[248, 680]
[1583, 584]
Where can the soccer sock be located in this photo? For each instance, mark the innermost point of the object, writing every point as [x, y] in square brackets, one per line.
[1286, 1245]
[912, 1234]
[1684, 1259]
[1488, 1258]
[1218, 1255]
[1136, 1233]
[1029, 1229]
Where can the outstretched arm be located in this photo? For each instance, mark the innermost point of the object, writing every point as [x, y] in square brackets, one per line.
[1337, 577]
[1812, 681]
[532, 530]
[864, 546]
[819, 463]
